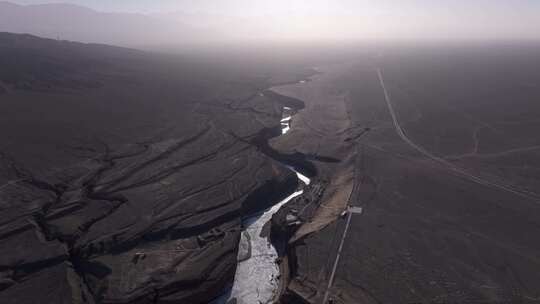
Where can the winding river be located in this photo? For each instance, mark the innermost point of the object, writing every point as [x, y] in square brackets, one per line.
[257, 274]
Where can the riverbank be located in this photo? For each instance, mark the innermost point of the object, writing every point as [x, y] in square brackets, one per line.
[320, 131]
[258, 273]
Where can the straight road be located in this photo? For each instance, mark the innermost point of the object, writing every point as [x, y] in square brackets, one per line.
[350, 212]
[526, 194]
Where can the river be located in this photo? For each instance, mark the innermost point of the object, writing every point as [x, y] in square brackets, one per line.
[257, 274]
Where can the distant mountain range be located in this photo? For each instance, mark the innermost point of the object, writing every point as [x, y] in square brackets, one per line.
[171, 30]
[77, 23]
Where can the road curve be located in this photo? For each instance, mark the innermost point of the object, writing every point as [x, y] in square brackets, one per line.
[459, 171]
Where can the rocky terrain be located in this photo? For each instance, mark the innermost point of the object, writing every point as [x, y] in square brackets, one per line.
[128, 177]
[124, 178]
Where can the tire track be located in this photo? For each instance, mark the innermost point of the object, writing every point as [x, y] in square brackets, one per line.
[454, 169]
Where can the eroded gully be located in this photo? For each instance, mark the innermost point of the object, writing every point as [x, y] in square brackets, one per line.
[257, 273]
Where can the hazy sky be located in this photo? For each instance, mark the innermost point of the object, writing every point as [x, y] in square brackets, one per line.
[312, 19]
[257, 7]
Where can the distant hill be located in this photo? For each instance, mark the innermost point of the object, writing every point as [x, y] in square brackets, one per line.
[30, 62]
[77, 23]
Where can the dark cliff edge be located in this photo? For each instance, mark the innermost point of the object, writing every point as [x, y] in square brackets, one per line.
[288, 218]
[284, 224]
[124, 180]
